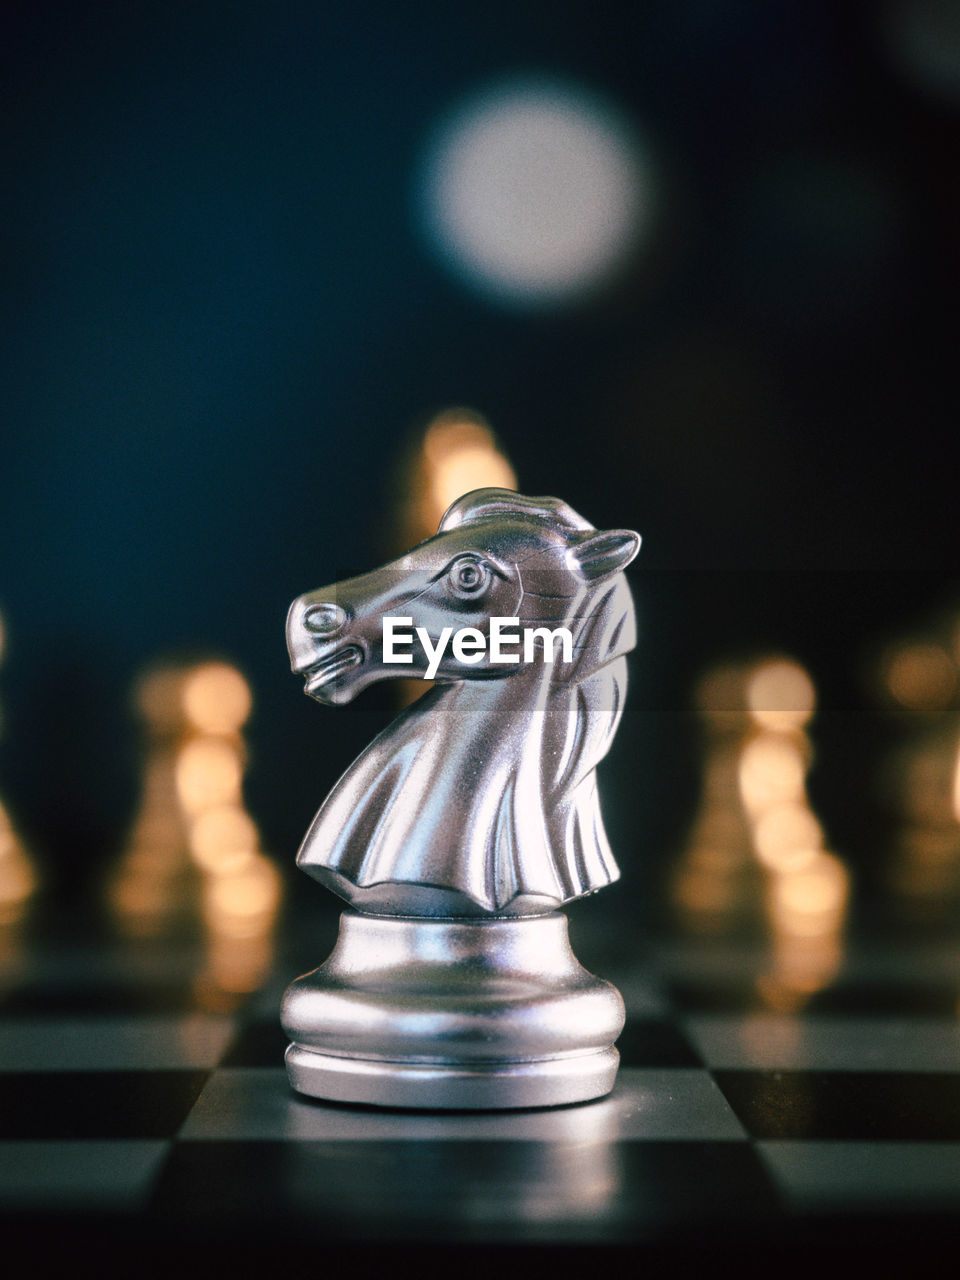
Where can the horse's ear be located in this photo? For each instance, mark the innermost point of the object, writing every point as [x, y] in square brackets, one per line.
[598, 555]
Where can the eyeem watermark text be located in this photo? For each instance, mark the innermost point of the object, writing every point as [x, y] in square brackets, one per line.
[505, 644]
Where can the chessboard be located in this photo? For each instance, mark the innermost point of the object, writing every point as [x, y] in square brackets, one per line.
[138, 1115]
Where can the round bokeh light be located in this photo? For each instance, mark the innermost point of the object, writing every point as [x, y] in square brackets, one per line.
[534, 192]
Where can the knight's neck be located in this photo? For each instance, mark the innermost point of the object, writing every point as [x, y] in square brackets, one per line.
[523, 693]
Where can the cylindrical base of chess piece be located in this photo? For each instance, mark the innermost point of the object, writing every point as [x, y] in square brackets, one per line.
[452, 1014]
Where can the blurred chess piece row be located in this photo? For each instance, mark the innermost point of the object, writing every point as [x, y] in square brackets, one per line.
[918, 681]
[756, 859]
[193, 865]
[18, 877]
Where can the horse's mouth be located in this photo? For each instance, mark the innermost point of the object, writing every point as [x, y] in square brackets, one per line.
[323, 672]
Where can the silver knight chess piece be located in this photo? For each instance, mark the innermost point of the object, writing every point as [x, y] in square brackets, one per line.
[461, 830]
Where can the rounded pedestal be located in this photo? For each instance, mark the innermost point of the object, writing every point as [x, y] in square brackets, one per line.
[452, 1014]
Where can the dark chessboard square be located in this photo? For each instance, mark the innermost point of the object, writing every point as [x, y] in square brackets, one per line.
[167, 998]
[890, 999]
[673, 1184]
[845, 1105]
[259, 1044]
[721, 995]
[726, 993]
[477, 1190]
[96, 1104]
[654, 1042]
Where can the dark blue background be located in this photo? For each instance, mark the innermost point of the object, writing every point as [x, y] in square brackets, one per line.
[222, 326]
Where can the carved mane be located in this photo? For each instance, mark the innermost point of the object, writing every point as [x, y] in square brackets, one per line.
[584, 710]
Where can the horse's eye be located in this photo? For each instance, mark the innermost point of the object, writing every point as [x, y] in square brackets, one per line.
[468, 577]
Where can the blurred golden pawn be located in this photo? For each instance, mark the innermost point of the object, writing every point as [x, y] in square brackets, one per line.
[18, 880]
[456, 453]
[919, 681]
[755, 858]
[193, 865]
[717, 883]
[18, 877]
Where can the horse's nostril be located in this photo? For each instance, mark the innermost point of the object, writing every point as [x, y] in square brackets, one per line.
[324, 619]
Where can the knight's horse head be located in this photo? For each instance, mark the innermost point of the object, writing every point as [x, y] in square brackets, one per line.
[496, 554]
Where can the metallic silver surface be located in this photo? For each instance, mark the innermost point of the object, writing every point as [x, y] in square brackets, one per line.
[452, 1013]
[463, 827]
